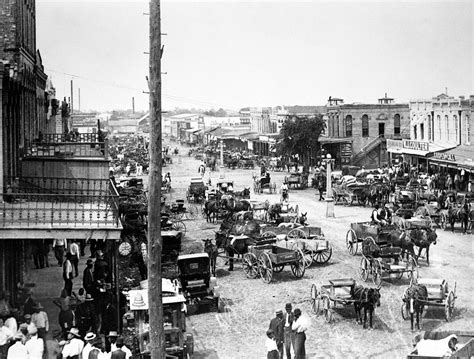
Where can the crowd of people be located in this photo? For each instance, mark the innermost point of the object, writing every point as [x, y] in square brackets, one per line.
[87, 319]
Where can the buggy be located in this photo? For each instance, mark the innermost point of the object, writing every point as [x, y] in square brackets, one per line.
[246, 162]
[259, 184]
[464, 348]
[439, 295]
[197, 285]
[266, 259]
[259, 209]
[309, 239]
[225, 186]
[196, 190]
[177, 210]
[361, 230]
[297, 180]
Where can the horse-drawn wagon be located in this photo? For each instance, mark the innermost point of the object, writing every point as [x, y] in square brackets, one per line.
[436, 345]
[344, 292]
[224, 185]
[266, 259]
[196, 190]
[177, 210]
[260, 184]
[361, 230]
[259, 209]
[439, 295]
[246, 163]
[377, 260]
[309, 239]
[297, 180]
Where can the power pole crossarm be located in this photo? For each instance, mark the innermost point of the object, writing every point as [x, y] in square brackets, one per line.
[155, 297]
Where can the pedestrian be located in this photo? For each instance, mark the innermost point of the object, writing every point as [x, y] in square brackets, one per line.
[5, 335]
[101, 267]
[35, 345]
[276, 325]
[89, 342]
[75, 254]
[321, 187]
[40, 319]
[449, 182]
[85, 315]
[37, 253]
[288, 335]
[18, 350]
[74, 346]
[457, 182]
[464, 214]
[88, 277]
[45, 251]
[120, 351]
[270, 344]
[299, 327]
[59, 245]
[68, 274]
[5, 305]
[29, 302]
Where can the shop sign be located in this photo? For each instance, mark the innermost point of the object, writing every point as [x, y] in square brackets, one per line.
[138, 299]
[444, 156]
[394, 144]
[416, 145]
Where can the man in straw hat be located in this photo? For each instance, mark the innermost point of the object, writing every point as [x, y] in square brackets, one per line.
[89, 339]
[34, 345]
[73, 348]
[40, 319]
[276, 325]
[18, 350]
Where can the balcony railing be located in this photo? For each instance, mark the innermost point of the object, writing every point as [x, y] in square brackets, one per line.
[26, 204]
[80, 145]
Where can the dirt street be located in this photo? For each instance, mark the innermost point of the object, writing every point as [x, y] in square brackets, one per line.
[239, 331]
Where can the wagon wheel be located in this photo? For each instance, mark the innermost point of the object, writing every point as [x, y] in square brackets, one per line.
[323, 256]
[265, 267]
[296, 234]
[307, 254]
[298, 267]
[179, 226]
[364, 268]
[314, 299]
[412, 270]
[376, 273]
[192, 211]
[449, 306]
[351, 241]
[250, 264]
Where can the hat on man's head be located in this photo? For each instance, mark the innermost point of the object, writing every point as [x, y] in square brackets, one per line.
[75, 332]
[89, 298]
[119, 343]
[113, 333]
[279, 311]
[32, 330]
[27, 316]
[288, 306]
[297, 311]
[90, 336]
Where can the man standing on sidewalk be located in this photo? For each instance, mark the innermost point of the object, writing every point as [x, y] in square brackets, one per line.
[59, 245]
[276, 325]
[67, 274]
[74, 250]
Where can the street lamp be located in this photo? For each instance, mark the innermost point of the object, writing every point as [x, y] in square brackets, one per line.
[329, 200]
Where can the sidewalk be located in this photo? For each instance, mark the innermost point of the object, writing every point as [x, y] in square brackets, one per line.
[49, 283]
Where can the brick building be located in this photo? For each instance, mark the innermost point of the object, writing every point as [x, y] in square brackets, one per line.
[357, 133]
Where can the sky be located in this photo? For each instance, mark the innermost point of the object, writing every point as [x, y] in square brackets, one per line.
[232, 54]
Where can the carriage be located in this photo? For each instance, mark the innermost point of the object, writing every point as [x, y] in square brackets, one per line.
[171, 245]
[385, 259]
[266, 259]
[439, 295]
[338, 291]
[259, 184]
[259, 209]
[177, 210]
[196, 190]
[246, 162]
[297, 180]
[224, 185]
[309, 239]
[464, 347]
[361, 230]
[170, 223]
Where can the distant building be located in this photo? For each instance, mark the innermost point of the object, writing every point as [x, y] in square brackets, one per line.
[357, 133]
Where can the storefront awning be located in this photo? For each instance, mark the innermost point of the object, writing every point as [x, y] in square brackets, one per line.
[458, 157]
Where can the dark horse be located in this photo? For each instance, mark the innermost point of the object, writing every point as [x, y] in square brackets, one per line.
[233, 205]
[423, 238]
[211, 249]
[244, 194]
[415, 298]
[365, 298]
[211, 210]
[236, 236]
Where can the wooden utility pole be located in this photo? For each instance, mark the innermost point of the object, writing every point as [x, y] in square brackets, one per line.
[155, 296]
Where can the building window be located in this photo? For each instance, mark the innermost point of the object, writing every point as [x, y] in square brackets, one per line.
[429, 128]
[468, 130]
[422, 131]
[348, 126]
[396, 125]
[365, 126]
[415, 135]
[439, 126]
[446, 120]
[456, 132]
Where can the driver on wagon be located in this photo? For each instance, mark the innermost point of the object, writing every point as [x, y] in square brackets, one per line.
[376, 218]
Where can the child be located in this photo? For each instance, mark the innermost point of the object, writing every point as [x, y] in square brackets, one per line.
[270, 343]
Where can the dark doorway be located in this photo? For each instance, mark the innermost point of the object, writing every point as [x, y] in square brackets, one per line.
[382, 129]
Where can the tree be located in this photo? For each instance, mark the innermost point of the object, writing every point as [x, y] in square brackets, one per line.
[300, 135]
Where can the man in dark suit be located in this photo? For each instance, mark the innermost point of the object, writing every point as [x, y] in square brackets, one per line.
[276, 324]
[88, 278]
[288, 335]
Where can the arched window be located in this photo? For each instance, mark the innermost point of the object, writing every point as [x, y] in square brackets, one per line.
[429, 128]
[455, 123]
[439, 126]
[396, 125]
[348, 125]
[365, 126]
[337, 126]
[468, 131]
[446, 120]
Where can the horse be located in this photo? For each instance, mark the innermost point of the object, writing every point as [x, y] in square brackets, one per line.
[244, 194]
[211, 249]
[401, 239]
[211, 163]
[236, 236]
[211, 210]
[414, 299]
[365, 298]
[274, 211]
[232, 205]
[423, 238]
